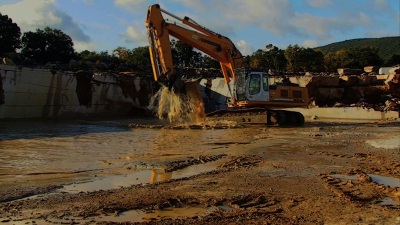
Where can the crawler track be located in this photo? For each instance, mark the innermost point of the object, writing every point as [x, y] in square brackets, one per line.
[259, 116]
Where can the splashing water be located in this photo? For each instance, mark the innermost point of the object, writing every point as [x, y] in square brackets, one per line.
[178, 107]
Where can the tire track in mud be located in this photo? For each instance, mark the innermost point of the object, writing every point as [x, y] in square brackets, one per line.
[361, 190]
[259, 205]
[357, 186]
[369, 162]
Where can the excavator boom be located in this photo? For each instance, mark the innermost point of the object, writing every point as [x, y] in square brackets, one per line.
[215, 45]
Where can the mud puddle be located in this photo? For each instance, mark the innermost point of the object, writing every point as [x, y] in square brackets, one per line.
[383, 180]
[388, 201]
[131, 216]
[148, 176]
[140, 177]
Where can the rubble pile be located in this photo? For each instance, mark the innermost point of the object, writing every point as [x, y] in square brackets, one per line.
[371, 91]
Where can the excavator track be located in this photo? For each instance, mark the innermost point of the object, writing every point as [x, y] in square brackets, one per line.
[250, 116]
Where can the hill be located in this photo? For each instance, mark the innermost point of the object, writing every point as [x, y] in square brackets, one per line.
[387, 45]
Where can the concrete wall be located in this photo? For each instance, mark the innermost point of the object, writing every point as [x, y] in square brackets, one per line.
[42, 93]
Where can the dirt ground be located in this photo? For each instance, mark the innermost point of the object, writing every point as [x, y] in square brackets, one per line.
[328, 180]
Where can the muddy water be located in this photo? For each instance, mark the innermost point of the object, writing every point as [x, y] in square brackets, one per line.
[49, 150]
[180, 107]
[77, 151]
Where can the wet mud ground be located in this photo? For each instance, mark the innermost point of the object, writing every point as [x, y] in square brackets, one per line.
[141, 172]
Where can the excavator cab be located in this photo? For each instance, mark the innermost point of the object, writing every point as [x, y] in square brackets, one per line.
[251, 85]
[253, 89]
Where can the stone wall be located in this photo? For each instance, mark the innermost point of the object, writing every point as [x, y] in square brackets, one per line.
[44, 93]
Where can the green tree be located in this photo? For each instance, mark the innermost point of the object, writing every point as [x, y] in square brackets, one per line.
[275, 58]
[209, 62]
[123, 54]
[91, 56]
[269, 58]
[331, 62]
[259, 60]
[48, 45]
[359, 57]
[311, 60]
[10, 35]
[140, 57]
[182, 53]
[292, 55]
[393, 60]
[300, 59]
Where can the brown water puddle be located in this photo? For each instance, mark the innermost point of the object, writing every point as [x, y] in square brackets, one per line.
[117, 181]
[139, 177]
[148, 176]
[131, 216]
[383, 180]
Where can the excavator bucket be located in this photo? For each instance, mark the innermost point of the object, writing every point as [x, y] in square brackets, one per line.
[178, 83]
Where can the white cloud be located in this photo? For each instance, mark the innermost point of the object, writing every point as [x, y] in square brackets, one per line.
[380, 4]
[136, 33]
[38, 14]
[135, 6]
[319, 3]
[310, 44]
[283, 20]
[244, 47]
[323, 27]
[269, 15]
[311, 25]
[194, 4]
[81, 46]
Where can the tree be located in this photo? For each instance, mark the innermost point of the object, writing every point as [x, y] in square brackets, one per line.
[48, 45]
[10, 35]
[271, 58]
[259, 60]
[359, 57]
[123, 54]
[275, 58]
[92, 56]
[311, 60]
[300, 59]
[209, 62]
[331, 62]
[183, 54]
[140, 57]
[292, 55]
[393, 60]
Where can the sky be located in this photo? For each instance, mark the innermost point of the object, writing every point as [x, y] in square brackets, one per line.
[104, 25]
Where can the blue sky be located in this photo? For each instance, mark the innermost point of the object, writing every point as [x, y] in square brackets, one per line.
[104, 25]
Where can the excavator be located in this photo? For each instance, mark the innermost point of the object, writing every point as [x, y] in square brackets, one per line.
[253, 99]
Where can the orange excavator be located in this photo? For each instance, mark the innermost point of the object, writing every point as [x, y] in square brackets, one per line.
[253, 99]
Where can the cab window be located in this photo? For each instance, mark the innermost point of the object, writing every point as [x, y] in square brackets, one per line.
[265, 82]
[254, 84]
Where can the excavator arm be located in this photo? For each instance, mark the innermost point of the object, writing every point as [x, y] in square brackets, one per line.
[215, 45]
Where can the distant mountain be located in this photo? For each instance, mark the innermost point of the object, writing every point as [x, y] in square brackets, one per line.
[387, 45]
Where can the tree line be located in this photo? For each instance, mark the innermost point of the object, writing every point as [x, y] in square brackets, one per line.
[52, 45]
